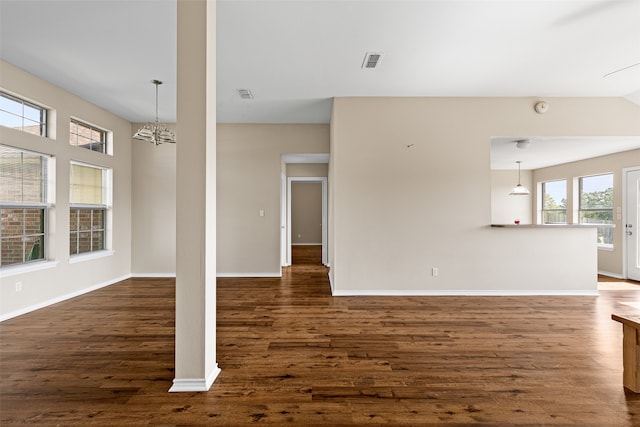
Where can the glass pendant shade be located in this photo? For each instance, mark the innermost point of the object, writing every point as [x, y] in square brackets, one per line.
[520, 190]
[155, 133]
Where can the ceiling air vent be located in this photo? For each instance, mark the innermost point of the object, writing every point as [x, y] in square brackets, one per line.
[371, 60]
[245, 94]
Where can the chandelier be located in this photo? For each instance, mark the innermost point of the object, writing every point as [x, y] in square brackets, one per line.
[156, 133]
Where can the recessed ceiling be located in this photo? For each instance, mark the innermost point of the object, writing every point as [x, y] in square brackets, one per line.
[545, 151]
[297, 55]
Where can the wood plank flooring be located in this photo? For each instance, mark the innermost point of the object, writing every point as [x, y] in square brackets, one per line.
[306, 254]
[291, 354]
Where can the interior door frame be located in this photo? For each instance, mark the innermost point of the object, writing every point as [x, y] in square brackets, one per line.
[312, 179]
[283, 221]
[625, 205]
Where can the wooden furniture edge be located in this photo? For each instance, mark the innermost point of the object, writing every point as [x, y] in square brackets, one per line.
[634, 321]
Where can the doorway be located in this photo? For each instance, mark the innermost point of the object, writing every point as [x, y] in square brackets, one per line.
[631, 220]
[291, 239]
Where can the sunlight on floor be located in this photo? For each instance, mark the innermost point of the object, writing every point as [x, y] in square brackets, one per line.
[617, 286]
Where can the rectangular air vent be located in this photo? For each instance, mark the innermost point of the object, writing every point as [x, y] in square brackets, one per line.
[245, 94]
[371, 60]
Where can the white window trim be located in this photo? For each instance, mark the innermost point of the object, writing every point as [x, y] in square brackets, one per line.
[48, 116]
[107, 196]
[13, 270]
[108, 137]
[576, 209]
[540, 200]
[48, 205]
[87, 256]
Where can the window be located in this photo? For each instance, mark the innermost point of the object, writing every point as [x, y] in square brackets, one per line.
[554, 202]
[89, 207]
[87, 136]
[19, 114]
[23, 206]
[596, 205]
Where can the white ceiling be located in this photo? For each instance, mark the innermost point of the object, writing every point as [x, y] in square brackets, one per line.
[295, 56]
[548, 151]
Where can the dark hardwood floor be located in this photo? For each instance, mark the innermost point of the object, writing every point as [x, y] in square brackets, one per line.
[292, 354]
[306, 254]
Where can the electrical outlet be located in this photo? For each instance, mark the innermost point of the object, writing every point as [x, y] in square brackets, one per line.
[18, 286]
[434, 271]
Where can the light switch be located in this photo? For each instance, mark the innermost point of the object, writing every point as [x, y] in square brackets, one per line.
[261, 212]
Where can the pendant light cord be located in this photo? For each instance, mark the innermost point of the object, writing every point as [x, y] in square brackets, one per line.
[157, 84]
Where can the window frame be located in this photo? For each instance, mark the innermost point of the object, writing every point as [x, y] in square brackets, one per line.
[44, 205]
[104, 134]
[543, 209]
[105, 207]
[44, 114]
[580, 210]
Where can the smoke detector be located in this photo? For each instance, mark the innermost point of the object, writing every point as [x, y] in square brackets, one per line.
[541, 107]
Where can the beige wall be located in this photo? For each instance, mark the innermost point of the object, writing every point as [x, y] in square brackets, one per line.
[609, 261]
[306, 213]
[505, 209]
[153, 245]
[396, 212]
[307, 169]
[63, 278]
[249, 172]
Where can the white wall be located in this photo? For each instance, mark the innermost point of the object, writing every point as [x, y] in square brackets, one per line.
[63, 279]
[505, 209]
[153, 246]
[397, 212]
[249, 171]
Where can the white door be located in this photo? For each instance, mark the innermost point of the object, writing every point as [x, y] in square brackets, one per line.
[632, 220]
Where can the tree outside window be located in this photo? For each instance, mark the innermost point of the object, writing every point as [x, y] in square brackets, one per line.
[554, 202]
[596, 206]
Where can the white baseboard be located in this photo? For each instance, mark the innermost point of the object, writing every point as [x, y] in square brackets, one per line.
[614, 275]
[278, 274]
[194, 384]
[331, 283]
[159, 275]
[462, 293]
[61, 298]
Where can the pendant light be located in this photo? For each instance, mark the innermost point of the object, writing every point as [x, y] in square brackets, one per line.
[155, 133]
[519, 190]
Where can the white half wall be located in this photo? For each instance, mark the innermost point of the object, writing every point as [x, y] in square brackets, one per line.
[609, 260]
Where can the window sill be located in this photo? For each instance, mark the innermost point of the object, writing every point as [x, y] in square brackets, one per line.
[608, 248]
[89, 256]
[27, 268]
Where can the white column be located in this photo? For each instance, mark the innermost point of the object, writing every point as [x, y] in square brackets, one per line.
[195, 358]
